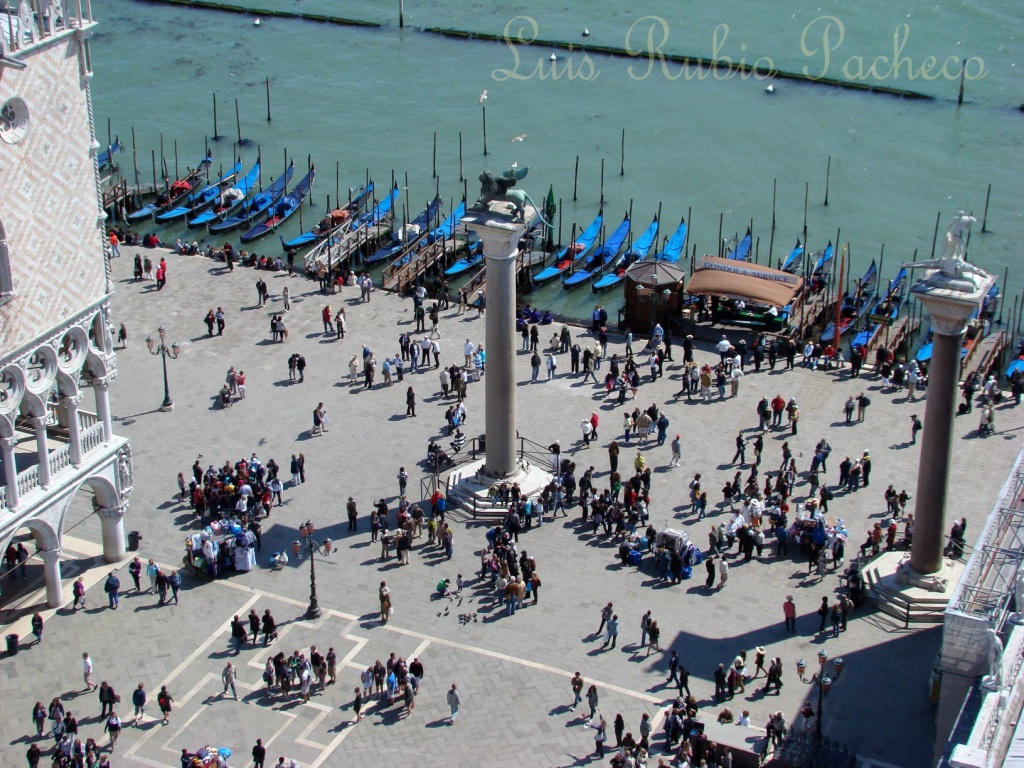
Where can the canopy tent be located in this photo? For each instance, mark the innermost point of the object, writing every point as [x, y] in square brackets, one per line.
[739, 280]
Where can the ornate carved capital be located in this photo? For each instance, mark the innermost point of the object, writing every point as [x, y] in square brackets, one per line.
[39, 422]
[50, 556]
[72, 401]
[102, 382]
[115, 512]
[8, 442]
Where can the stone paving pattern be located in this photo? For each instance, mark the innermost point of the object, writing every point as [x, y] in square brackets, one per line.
[513, 671]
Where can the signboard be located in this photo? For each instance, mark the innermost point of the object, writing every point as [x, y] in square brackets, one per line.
[885, 320]
[748, 269]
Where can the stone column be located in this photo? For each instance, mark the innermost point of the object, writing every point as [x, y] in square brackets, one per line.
[42, 450]
[112, 529]
[102, 387]
[949, 318]
[51, 576]
[71, 404]
[10, 470]
[500, 236]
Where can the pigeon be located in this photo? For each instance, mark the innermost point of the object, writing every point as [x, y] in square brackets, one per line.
[520, 137]
[483, 97]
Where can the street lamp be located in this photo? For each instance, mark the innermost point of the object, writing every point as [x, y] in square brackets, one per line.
[306, 531]
[823, 680]
[164, 351]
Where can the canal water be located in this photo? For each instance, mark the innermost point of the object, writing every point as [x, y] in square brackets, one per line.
[698, 143]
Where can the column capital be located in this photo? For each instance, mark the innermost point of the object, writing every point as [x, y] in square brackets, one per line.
[8, 442]
[50, 556]
[72, 400]
[39, 422]
[115, 512]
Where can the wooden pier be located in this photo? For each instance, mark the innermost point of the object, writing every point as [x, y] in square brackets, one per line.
[416, 260]
[808, 310]
[985, 356]
[339, 246]
[892, 337]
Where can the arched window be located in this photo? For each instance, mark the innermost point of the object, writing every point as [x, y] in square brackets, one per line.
[6, 283]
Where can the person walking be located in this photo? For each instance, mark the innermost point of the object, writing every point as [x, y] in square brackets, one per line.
[112, 587]
[164, 699]
[139, 702]
[113, 728]
[915, 427]
[577, 691]
[611, 631]
[592, 701]
[87, 672]
[655, 635]
[823, 612]
[454, 702]
[228, 676]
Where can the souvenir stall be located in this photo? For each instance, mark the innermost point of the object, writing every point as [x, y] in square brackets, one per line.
[223, 547]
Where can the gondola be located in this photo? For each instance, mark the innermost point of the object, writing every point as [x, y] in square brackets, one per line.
[604, 254]
[283, 209]
[888, 305]
[257, 205]
[854, 304]
[177, 192]
[638, 252]
[742, 250]
[409, 232]
[795, 258]
[201, 199]
[448, 226]
[107, 155]
[230, 199]
[674, 246]
[326, 225]
[379, 212]
[570, 254]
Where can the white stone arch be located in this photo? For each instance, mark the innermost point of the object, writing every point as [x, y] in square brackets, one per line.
[40, 369]
[12, 389]
[72, 349]
[34, 403]
[95, 365]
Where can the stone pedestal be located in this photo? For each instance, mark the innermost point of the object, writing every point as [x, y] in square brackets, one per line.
[950, 312]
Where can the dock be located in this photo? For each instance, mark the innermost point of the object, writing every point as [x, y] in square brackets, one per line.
[985, 357]
[808, 310]
[417, 259]
[893, 337]
[477, 284]
[339, 246]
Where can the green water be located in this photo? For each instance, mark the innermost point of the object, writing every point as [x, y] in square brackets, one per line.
[373, 99]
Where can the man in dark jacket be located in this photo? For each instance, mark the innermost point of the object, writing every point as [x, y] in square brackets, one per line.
[112, 587]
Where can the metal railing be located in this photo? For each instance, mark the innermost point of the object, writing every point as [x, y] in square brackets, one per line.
[22, 31]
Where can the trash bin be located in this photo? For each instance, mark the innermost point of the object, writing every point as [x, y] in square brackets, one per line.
[134, 538]
[481, 443]
[12, 645]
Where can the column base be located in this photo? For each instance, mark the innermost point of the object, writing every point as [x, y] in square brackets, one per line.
[167, 407]
[469, 486]
[940, 581]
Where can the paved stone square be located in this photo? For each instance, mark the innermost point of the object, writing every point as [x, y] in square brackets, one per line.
[513, 671]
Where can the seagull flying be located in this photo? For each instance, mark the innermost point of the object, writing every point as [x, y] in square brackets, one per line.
[520, 137]
[483, 96]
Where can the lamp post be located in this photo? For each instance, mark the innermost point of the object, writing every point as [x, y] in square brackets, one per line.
[164, 351]
[824, 682]
[306, 531]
